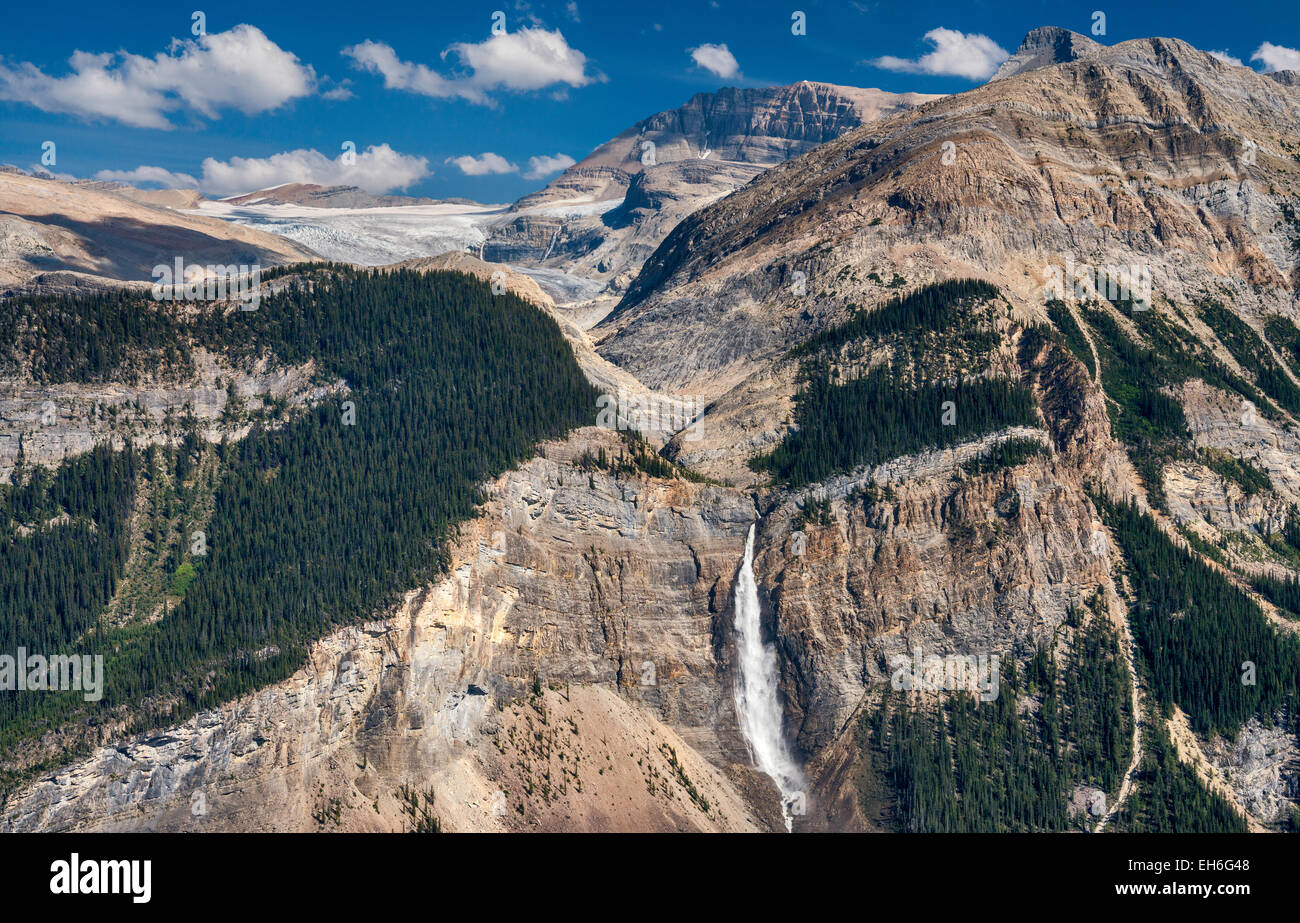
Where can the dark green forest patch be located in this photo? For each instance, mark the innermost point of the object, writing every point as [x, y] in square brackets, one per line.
[321, 522]
[931, 395]
[998, 767]
[1197, 632]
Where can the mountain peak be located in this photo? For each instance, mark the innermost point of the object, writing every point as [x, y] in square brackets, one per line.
[1045, 46]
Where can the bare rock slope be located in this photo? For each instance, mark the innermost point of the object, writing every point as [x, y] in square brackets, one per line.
[53, 234]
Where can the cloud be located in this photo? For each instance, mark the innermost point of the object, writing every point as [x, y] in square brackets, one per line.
[955, 54]
[376, 169]
[149, 176]
[487, 164]
[490, 164]
[378, 58]
[546, 164]
[717, 59]
[1277, 57]
[572, 8]
[239, 69]
[1226, 58]
[528, 59]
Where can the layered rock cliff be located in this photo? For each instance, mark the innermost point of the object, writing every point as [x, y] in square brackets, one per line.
[606, 595]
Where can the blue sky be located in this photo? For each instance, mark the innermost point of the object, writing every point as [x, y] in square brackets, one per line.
[415, 86]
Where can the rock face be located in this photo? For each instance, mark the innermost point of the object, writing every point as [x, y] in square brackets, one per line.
[1261, 766]
[938, 565]
[613, 592]
[47, 423]
[615, 596]
[1047, 46]
[604, 215]
[761, 126]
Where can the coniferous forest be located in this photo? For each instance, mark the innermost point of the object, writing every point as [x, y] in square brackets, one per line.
[319, 522]
[925, 397]
[1206, 645]
[1010, 764]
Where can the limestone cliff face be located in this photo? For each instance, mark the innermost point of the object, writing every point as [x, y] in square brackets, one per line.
[928, 560]
[613, 596]
[47, 423]
[613, 593]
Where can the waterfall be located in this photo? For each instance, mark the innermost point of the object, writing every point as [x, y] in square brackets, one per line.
[758, 701]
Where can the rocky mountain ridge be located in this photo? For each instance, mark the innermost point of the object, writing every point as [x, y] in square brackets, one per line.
[59, 236]
[605, 214]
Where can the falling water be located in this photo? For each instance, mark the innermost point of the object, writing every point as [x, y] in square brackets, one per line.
[758, 703]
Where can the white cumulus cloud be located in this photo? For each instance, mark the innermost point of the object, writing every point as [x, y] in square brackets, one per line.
[153, 176]
[546, 164]
[716, 59]
[487, 164]
[1277, 57]
[528, 59]
[955, 54]
[1226, 58]
[238, 69]
[377, 169]
[490, 164]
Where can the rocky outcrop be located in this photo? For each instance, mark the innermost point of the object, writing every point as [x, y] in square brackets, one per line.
[50, 226]
[45, 424]
[1044, 47]
[925, 559]
[1261, 767]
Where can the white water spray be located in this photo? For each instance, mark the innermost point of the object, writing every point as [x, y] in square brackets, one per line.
[758, 701]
